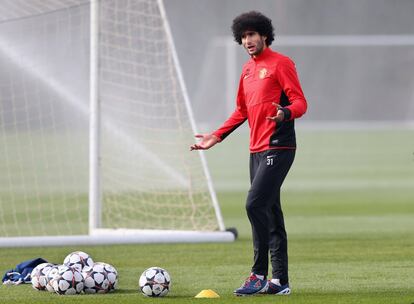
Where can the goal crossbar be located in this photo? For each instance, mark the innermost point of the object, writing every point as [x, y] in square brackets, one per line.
[120, 236]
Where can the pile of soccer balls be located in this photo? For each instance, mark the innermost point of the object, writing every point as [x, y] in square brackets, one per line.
[77, 274]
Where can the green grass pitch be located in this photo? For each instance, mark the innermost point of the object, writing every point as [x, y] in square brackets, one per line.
[349, 209]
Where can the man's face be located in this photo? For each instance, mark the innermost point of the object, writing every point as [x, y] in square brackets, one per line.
[253, 42]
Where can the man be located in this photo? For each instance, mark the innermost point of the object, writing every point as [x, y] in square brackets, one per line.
[270, 98]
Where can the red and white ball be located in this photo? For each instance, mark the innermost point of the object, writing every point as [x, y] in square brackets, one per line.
[68, 281]
[95, 279]
[50, 277]
[112, 275]
[155, 282]
[38, 275]
[78, 260]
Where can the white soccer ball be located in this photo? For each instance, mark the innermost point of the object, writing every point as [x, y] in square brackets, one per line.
[155, 282]
[112, 275]
[38, 275]
[78, 260]
[50, 277]
[95, 279]
[68, 281]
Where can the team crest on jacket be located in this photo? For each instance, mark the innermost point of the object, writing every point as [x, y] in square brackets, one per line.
[262, 73]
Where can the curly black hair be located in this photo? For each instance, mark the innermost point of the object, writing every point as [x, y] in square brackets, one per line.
[254, 21]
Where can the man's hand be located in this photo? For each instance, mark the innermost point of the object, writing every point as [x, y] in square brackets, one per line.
[206, 142]
[280, 115]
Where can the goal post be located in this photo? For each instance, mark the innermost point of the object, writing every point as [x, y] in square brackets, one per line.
[129, 111]
[94, 122]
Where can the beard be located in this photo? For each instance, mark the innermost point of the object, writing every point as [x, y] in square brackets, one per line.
[258, 48]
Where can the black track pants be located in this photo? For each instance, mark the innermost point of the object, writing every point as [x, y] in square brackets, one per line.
[268, 170]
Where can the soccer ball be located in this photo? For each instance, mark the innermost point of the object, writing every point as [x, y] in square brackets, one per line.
[112, 275]
[38, 275]
[155, 282]
[78, 260]
[95, 279]
[50, 277]
[67, 281]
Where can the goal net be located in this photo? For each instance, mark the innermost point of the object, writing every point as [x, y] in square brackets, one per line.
[95, 127]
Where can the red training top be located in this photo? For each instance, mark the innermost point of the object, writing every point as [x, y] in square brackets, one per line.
[269, 78]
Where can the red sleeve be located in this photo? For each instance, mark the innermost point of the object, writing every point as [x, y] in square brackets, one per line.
[289, 81]
[237, 118]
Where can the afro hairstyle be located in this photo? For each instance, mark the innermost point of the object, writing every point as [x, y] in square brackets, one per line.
[253, 21]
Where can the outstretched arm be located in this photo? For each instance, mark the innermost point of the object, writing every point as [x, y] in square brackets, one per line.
[206, 142]
[235, 120]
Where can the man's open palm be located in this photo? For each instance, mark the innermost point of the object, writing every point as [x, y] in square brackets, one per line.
[280, 115]
[206, 142]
